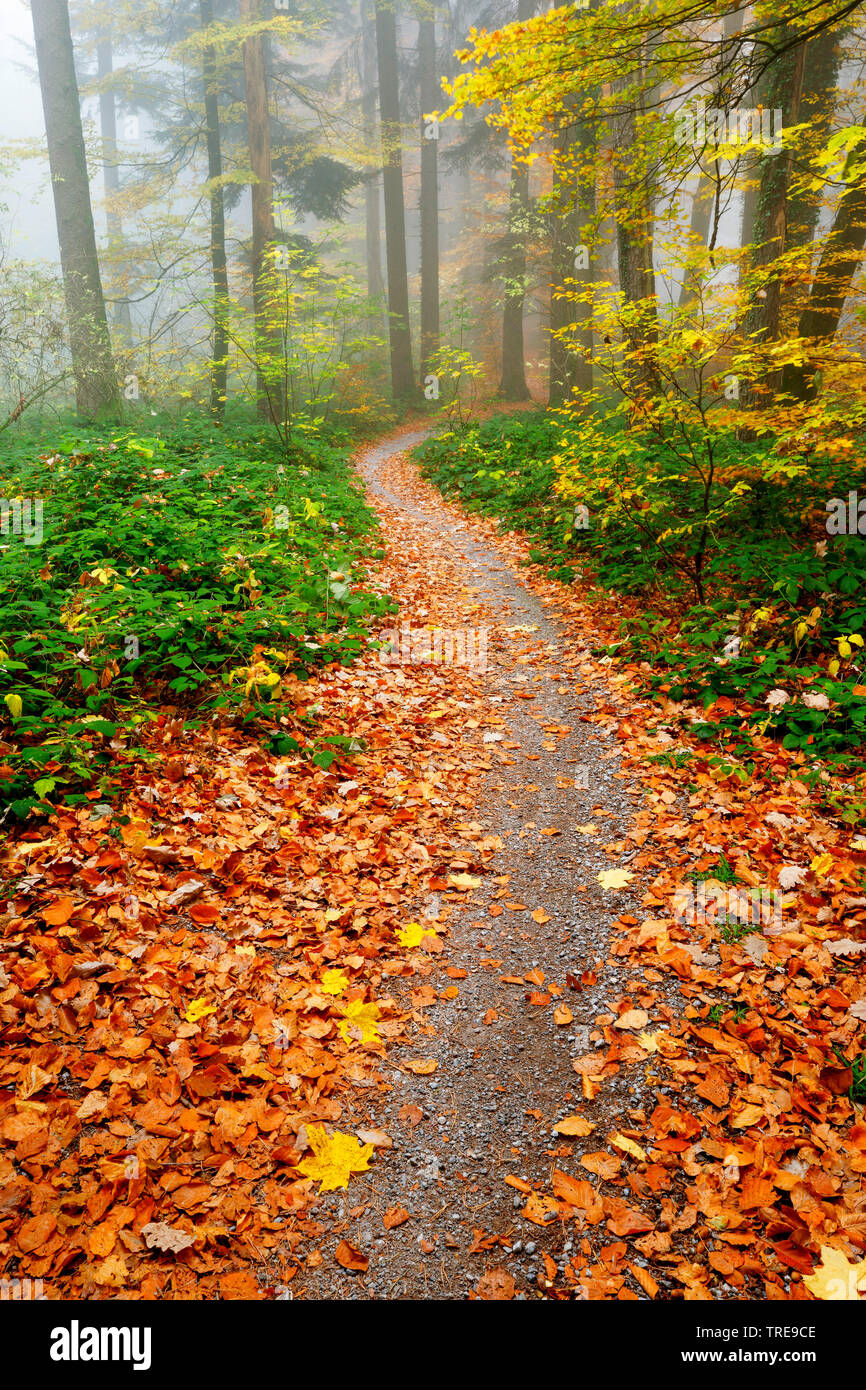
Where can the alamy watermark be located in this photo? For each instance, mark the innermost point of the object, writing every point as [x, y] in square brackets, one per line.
[846, 518]
[21, 1289]
[721, 904]
[700, 126]
[424, 646]
[22, 516]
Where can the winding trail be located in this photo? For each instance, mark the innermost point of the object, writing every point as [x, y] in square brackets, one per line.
[503, 1073]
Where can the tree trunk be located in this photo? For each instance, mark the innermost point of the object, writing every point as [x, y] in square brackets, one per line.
[219, 270]
[699, 230]
[270, 397]
[783, 88]
[402, 374]
[513, 385]
[817, 106]
[372, 184]
[570, 369]
[429, 206]
[111, 176]
[634, 243]
[839, 263]
[89, 341]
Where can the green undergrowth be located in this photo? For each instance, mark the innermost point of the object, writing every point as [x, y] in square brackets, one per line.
[190, 567]
[776, 643]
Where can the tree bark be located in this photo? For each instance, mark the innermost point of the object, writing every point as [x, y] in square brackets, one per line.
[634, 243]
[429, 206]
[400, 338]
[92, 364]
[111, 175]
[839, 263]
[373, 182]
[570, 369]
[219, 269]
[699, 230]
[270, 399]
[513, 385]
[762, 320]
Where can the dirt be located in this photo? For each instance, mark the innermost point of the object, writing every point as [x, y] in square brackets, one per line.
[486, 1113]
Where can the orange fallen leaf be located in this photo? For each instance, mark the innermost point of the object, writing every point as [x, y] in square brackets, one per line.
[350, 1258]
[423, 1066]
[574, 1126]
[35, 1232]
[59, 913]
[204, 913]
[496, 1285]
[604, 1165]
[394, 1216]
[101, 1240]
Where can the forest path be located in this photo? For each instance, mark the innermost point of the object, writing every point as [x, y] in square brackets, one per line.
[503, 1064]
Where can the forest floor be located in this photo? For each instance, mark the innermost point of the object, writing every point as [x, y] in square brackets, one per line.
[443, 979]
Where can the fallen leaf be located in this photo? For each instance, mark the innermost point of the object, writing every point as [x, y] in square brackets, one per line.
[334, 1159]
[836, 1279]
[614, 878]
[496, 1285]
[350, 1258]
[574, 1126]
[160, 1236]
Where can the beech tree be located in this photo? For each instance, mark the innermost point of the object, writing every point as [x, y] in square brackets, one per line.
[90, 345]
[400, 338]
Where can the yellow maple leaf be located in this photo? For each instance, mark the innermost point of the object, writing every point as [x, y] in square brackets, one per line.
[821, 865]
[199, 1008]
[413, 934]
[334, 982]
[835, 1279]
[647, 1041]
[358, 1023]
[334, 1158]
[615, 878]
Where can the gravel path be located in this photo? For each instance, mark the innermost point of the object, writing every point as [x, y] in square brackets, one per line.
[499, 1086]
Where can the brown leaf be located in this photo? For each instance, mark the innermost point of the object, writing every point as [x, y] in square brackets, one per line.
[35, 1232]
[394, 1216]
[350, 1258]
[496, 1285]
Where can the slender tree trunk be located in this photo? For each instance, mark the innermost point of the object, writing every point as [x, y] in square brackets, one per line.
[90, 344]
[402, 374]
[219, 269]
[706, 188]
[271, 401]
[570, 367]
[373, 182]
[634, 226]
[513, 385]
[762, 319]
[699, 230]
[840, 260]
[111, 176]
[429, 208]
